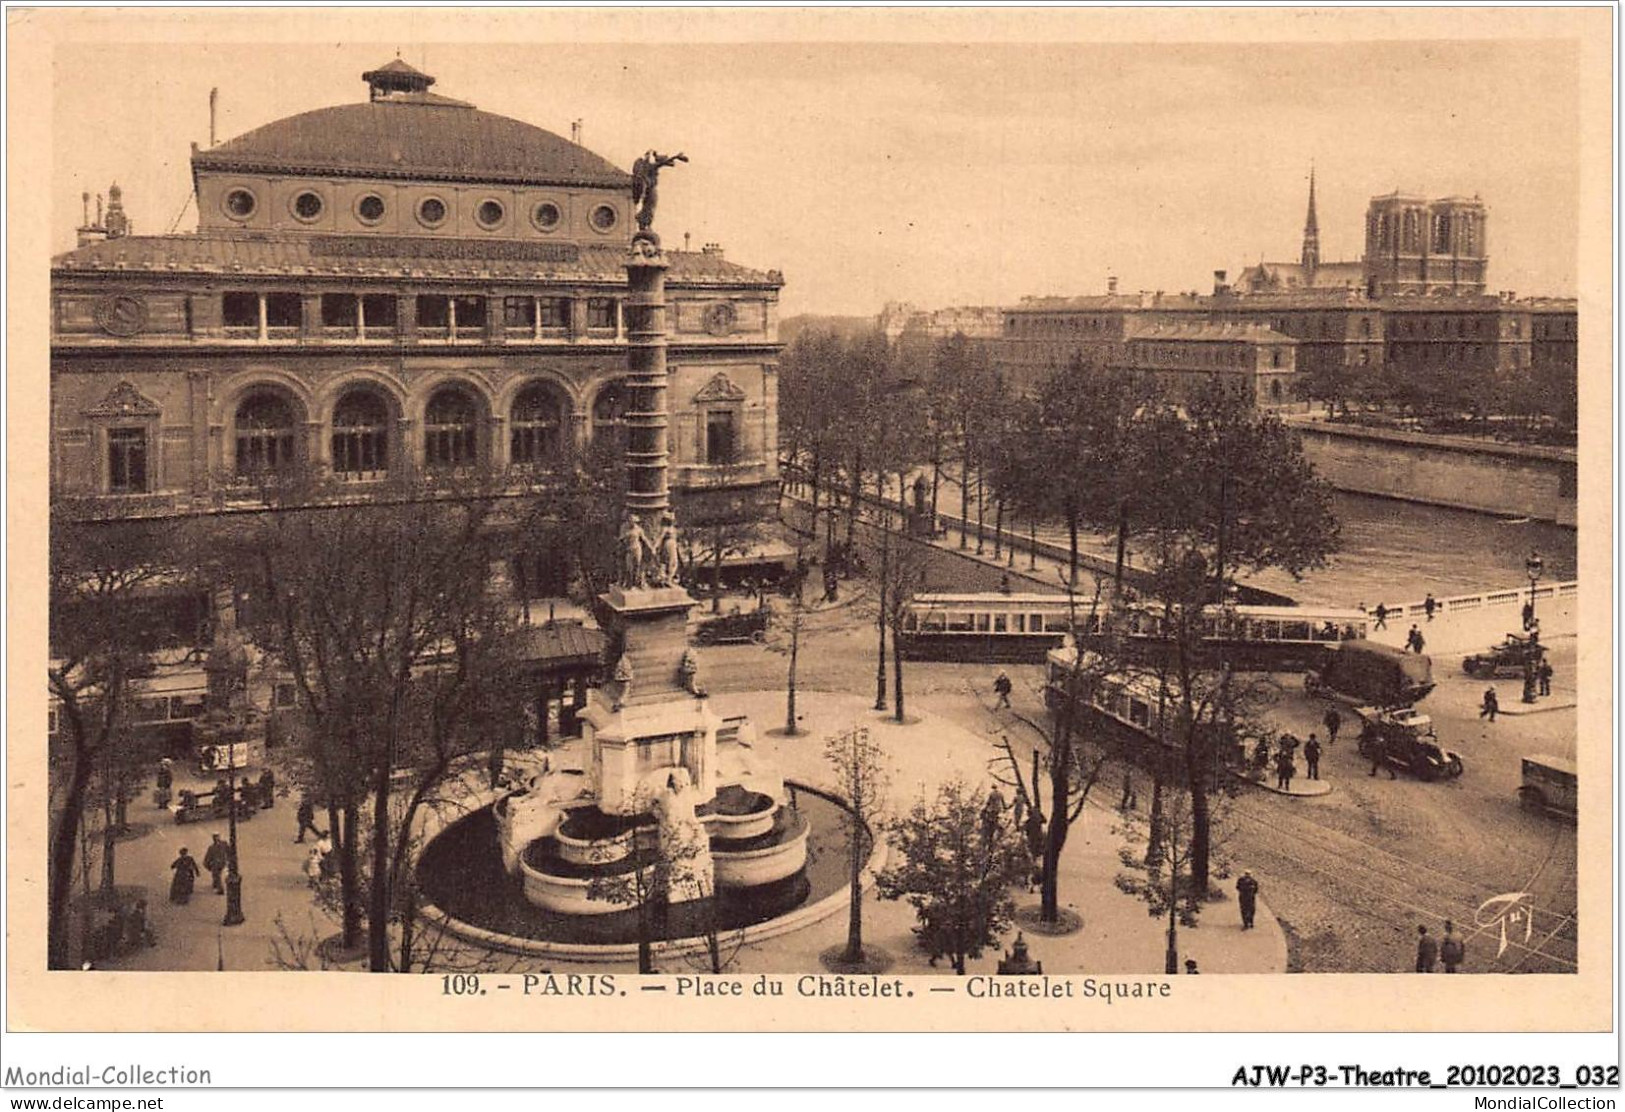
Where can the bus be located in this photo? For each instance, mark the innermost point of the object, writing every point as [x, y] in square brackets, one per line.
[1023, 628]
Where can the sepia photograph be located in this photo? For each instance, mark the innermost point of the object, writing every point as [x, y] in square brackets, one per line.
[962, 530]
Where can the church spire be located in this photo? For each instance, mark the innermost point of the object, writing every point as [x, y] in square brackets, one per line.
[1311, 235]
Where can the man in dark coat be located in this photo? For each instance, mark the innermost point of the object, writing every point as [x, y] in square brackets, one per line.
[1311, 755]
[1491, 705]
[1284, 768]
[1452, 950]
[307, 819]
[215, 859]
[1381, 614]
[1414, 640]
[1545, 674]
[1429, 605]
[1379, 756]
[1427, 951]
[1247, 897]
[1334, 722]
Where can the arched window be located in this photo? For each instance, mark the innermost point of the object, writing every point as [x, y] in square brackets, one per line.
[360, 436]
[537, 423]
[608, 409]
[1441, 232]
[266, 434]
[449, 429]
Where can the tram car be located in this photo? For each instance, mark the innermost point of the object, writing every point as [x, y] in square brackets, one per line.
[1137, 713]
[1023, 628]
[1001, 627]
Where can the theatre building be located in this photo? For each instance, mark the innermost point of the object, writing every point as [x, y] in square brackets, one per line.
[388, 290]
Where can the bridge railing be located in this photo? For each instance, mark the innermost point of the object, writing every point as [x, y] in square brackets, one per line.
[1485, 600]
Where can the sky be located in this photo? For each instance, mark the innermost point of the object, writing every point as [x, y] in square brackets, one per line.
[940, 173]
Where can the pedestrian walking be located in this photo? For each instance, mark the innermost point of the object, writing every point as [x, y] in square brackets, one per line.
[215, 859]
[1381, 614]
[1333, 722]
[1414, 640]
[1379, 757]
[1284, 768]
[1002, 686]
[186, 874]
[1452, 948]
[267, 787]
[1545, 674]
[1490, 706]
[313, 867]
[1131, 799]
[1311, 756]
[1528, 614]
[1190, 967]
[307, 819]
[1261, 757]
[1529, 681]
[1429, 605]
[165, 781]
[1427, 951]
[1247, 898]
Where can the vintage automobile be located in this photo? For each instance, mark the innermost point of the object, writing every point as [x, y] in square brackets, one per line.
[1510, 657]
[733, 629]
[1408, 741]
[1549, 784]
[1371, 674]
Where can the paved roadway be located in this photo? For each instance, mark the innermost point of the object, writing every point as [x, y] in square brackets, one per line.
[1352, 873]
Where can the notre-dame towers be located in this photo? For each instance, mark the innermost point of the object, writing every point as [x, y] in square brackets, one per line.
[1413, 245]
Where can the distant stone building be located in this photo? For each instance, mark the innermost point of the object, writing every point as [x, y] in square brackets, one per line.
[1183, 356]
[1415, 304]
[383, 290]
[1412, 246]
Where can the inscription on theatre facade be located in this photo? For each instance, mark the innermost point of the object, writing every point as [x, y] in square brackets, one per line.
[421, 247]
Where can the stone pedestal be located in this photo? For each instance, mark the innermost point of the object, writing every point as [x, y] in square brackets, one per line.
[646, 722]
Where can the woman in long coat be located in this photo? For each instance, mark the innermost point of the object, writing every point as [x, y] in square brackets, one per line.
[186, 874]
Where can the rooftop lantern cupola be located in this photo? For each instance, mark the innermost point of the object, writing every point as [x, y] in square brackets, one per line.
[395, 78]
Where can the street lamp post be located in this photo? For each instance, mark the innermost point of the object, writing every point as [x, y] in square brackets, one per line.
[1533, 567]
[234, 879]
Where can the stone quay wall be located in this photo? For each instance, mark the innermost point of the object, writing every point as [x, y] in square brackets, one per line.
[1506, 479]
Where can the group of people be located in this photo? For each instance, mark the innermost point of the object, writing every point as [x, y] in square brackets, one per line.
[216, 859]
[1450, 950]
[1285, 757]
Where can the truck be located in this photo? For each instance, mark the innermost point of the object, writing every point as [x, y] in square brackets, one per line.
[1550, 784]
[1370, 674]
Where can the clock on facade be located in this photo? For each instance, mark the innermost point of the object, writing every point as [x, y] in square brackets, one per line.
[121, 315]
[720, 318]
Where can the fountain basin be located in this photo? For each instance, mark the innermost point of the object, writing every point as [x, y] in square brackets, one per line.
[782, 856]
[736, 815]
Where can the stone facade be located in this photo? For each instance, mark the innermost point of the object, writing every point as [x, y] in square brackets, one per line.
[385, 290]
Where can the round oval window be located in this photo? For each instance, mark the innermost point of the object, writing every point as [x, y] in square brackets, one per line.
[547, 215]
[489, 213]
[240, 203]
[603, 218]
[432, 211]
[307, 206]
[370, 208]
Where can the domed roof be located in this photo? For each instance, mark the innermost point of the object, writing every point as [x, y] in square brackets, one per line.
[412, 134]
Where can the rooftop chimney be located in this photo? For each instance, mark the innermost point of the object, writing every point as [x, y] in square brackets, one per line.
[685, 241]
[214, 102]
[575, 132]
[712, 249]
[1111, 283]
[90, 233]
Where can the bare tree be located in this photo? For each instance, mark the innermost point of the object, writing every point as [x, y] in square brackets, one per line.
[382, 617]
[862, 778]
[101, 635]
